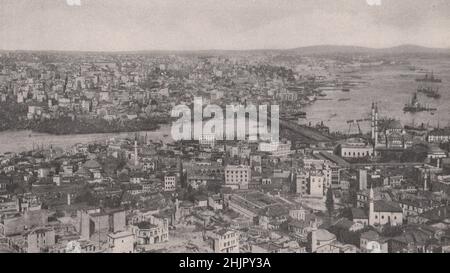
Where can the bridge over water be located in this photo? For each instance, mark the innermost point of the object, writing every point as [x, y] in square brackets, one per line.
[303, 131]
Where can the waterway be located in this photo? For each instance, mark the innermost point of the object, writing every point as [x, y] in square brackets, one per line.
[391, 87]
[19, 141]
[24, 140]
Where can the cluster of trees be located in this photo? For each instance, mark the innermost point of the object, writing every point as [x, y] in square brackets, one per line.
[86, 196]
[329, 202]
[190, 193]
[392, 231]
[12, 116]
[111, 164]
[67, 125]
[348, 237]
[418, 153]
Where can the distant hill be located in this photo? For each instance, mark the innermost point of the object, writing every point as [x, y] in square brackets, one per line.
[402, 49]
[411, 49]
[308, 50]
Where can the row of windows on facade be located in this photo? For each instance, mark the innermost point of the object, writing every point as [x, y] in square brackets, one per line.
[229, 236]
[230, 243]
[241, 171]
[356, 154]
[382, 217]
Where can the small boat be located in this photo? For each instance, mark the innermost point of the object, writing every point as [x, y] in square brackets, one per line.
[345, 89]
[430, 92]
[415, 106]
[344, 99]
[429, 78]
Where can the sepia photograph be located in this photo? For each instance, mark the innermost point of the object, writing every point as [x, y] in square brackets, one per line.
[245, 128]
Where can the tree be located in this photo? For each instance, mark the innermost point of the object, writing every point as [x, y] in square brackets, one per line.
[392, 231]
[330, 202]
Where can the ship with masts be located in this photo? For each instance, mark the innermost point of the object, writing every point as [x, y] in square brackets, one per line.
[415, 106]
[429, 92]
[429, 77]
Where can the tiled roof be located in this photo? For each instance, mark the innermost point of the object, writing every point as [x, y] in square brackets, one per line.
[387, 206]
[358, 214]
[370, 235]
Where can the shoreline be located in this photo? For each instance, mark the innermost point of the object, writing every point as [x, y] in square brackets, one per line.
[94, 132]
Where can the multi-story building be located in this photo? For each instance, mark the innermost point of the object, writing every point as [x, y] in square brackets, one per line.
[313, 182]
[276, 149]
[316, 184]
[237, 177]
[207, 140]
[121, 242]
[202, 174]
[40, 239]
[439, 135]
[225, 241]
[170, 183]
[97, 221]
[9, 206]
[151, 230]
[356, 148]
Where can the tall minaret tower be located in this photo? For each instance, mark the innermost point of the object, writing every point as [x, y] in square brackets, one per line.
[376, 124]
[136, 159]
[373, 122]
[371, 208]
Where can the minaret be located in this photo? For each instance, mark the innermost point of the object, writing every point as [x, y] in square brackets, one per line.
[376, 125]
[313, 239]
[373, 122]
[136, 160]
[371, 207]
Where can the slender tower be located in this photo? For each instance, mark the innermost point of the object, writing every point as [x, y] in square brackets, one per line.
[373, 122]
[136, 160]
[371, 208]
[376, 125]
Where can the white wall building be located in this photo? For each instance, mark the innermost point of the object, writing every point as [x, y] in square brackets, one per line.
[237, 177]
[121, 242]
[170, 183]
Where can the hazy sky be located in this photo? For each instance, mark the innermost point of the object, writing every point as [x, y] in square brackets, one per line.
[220, 24]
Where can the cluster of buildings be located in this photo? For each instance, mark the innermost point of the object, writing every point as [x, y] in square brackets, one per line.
[307, 192]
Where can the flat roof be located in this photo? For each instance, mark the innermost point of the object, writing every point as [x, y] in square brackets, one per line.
[120, 234]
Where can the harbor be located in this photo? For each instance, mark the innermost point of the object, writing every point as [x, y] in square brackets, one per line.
[391, 89]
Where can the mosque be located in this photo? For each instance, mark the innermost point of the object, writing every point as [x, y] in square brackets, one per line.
[385, 136]
[392, 135]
